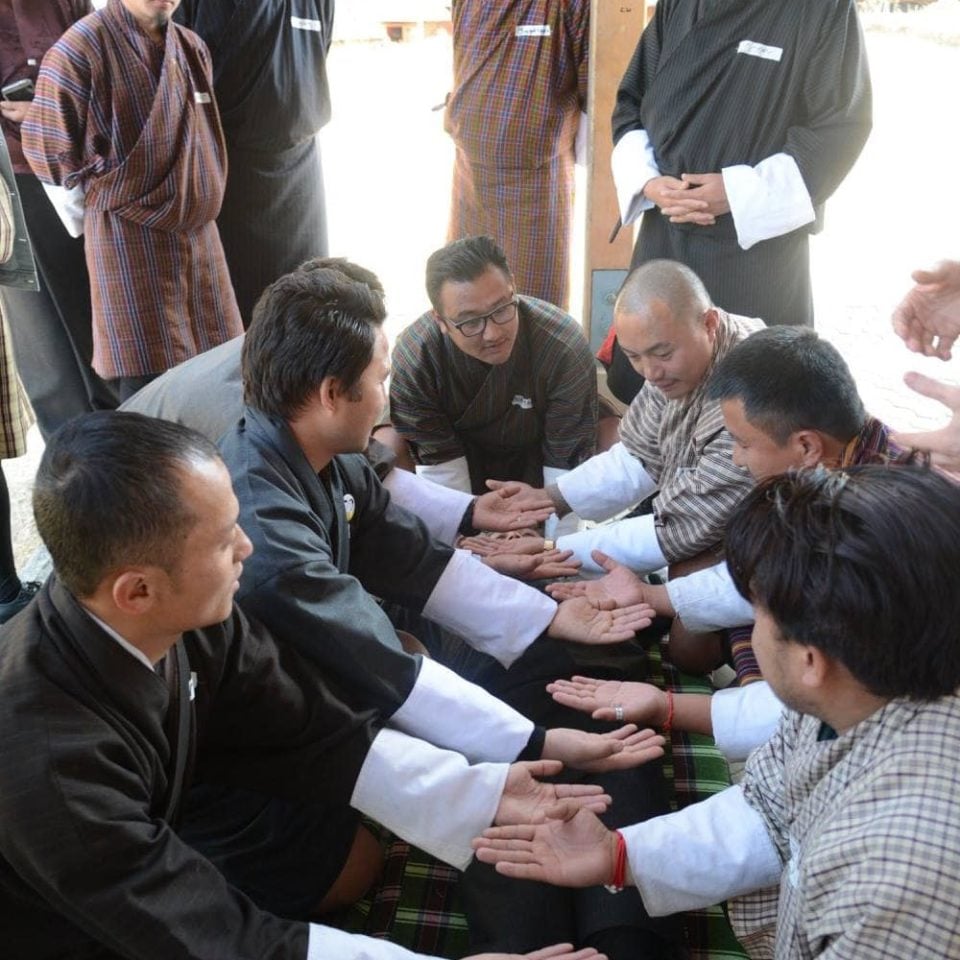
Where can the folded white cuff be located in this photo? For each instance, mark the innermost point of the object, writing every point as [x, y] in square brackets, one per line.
[69, 206]
[744, 718]
[453, 473]
[458, 715]
[701, 855]
[708, 600]
[494, 614]
[767, 200]
[632, 542]
[633, 163]
[606, 484]
[440, 508]
[555, 527]
[431, 797]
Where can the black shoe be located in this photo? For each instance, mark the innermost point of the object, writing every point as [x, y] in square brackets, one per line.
[12, 607]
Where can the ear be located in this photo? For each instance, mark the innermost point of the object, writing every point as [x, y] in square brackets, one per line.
[711, 322]
[438, 320]
[134, 591]
[814, 667]
[328, 393]
[809, 447]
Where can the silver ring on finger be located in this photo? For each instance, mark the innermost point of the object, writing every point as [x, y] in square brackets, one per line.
[618, 712]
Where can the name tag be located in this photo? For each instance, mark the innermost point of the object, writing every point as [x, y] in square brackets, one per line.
[533, 30]
[524, 403]
[31, 61]
[200, 97]
[752, 49]
[349, 506]
[193, 685]
[301, 23]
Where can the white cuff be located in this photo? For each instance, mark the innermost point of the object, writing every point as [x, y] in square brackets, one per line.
[69, 206]
[497, 615]
[440, 508]
[606, 484]
[744, 718]
[582, 142]
[767, 200]
[454, 474]
[328, 943]
[632, 542]
[708, 600]
[701, 855]
[633, 164]
[431, 797]
[554, 526]
[458, 715]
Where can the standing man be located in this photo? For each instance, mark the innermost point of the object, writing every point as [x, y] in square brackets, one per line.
[519, 87]
[270, 80]
[734, 124]
[124, 119]
[51, 328]
[489, 384]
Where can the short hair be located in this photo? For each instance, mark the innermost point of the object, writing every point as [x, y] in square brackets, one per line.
[790, 379]
[668, 281]
[352, 271]
[108, 494]
[462, 262]
[308, 325]
[859, 563]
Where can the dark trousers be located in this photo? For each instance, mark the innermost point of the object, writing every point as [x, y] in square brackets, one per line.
[51, 328]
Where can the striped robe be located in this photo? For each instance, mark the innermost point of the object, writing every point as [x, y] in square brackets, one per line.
[539, 409]
[705, 106]
[684, 445]
[135, 125]
[513, 115]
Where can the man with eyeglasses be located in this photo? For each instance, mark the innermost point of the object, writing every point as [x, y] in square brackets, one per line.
[490, 384]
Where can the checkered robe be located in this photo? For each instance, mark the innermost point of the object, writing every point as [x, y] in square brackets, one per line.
[685, 447]
[136, 126]
[539, 409]
[15, 413]
[513, 115]
[868, 828]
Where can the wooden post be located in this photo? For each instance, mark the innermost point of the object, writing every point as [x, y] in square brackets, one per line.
[615, 28]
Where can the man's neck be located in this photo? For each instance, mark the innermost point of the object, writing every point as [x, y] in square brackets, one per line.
[153, 647]
[847, 704]
[318, 453]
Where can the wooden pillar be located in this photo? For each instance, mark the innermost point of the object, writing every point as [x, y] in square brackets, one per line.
[615, 28]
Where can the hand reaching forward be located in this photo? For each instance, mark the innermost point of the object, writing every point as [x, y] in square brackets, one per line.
[536, 566]
[528, 800]
[560, 951]
[620, 584]
[577, 851]
[582, 621]
[620, 749]
[943, 444]
[494, 546]
[504, 509]
[928, 318]
[641, 702]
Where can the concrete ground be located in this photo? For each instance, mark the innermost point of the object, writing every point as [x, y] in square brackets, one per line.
[387, 169]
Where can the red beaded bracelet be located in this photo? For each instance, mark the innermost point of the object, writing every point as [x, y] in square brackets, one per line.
[619, 865]
[668, 724]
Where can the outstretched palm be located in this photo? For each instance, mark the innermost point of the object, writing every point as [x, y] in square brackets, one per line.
[642, 703]
[526, 799]
[581, 621]
[620, 585]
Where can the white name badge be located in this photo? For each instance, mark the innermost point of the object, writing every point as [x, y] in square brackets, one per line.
[752, 49]
[533, 30]
[200, 97]
[300, 23]
[524, 403]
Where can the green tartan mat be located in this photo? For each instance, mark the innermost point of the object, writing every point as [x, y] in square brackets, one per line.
[416, 905]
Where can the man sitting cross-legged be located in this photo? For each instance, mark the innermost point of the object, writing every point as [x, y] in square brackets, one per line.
[851, 809]
[132, 675]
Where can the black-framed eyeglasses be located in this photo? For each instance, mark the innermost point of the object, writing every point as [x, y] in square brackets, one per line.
[476, 325]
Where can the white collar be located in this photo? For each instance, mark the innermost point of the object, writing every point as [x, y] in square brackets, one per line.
[126, 644]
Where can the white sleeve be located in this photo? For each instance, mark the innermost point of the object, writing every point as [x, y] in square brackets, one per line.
[633, 163]
[632, 542]
[454, 474]
[69, 206]
[701, 855]
[582, 142]
[495, 614]
[474, 722]
[767, 200]
[440, 508]
[328, 943]
[708, 600]
[555, 527]
[606, 484]
[431, 797]
[744, 718]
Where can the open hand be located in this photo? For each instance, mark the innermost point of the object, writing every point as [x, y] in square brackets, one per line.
[559, 951]
[620, 585]
[642, 703]
[504, 509]
[582, 621]
[620, 749]
[495, 546]
[537, 566]
[577, 851]
[943, 444]
[928, 318]
[528, 800]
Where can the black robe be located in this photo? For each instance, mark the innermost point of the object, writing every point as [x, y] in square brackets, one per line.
[270, 81]
[89, 867]
[705, 107]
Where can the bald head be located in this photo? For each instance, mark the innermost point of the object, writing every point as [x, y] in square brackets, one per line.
[670, 285]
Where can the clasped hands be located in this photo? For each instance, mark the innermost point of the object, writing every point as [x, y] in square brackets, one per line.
[692, 198]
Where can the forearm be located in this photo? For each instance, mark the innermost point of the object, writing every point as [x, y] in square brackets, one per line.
[606, 484]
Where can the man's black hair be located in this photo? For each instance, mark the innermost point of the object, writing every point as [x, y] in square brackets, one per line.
[308, 325]
[860, 563]
[108, 495]
[790, 379]
[462, 262]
